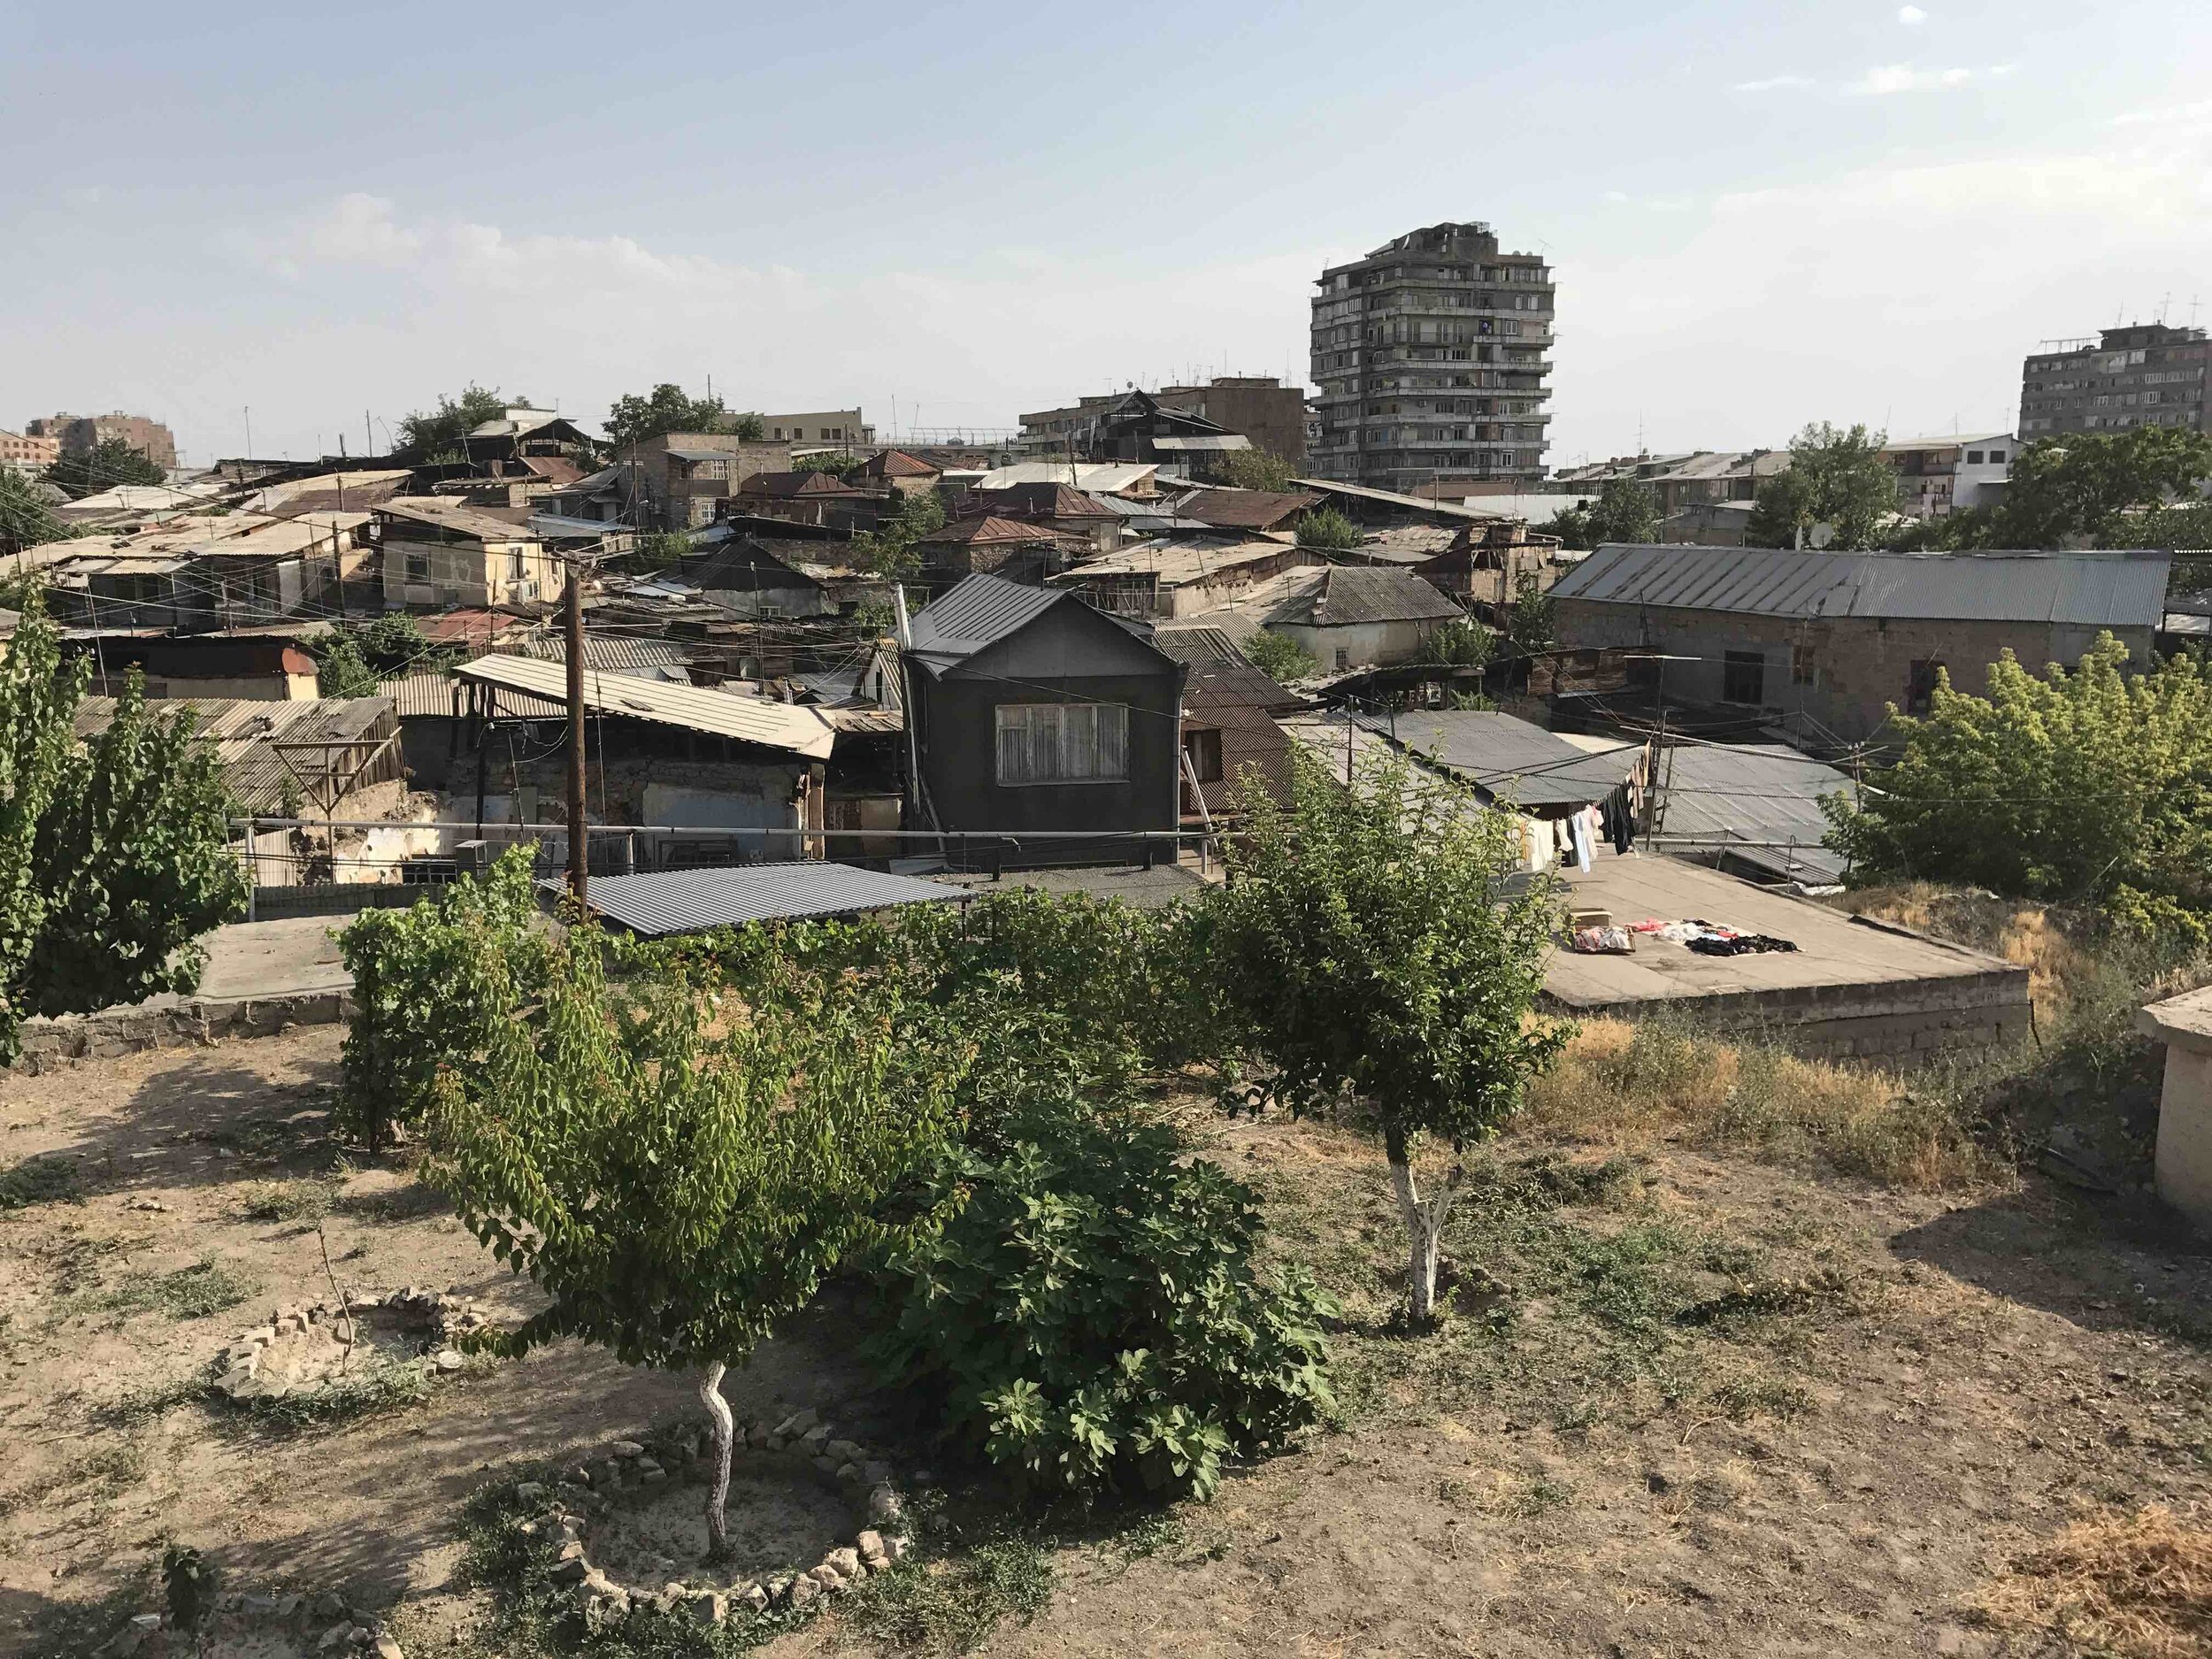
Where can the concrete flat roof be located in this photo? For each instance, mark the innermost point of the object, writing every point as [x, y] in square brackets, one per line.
[1838, 957]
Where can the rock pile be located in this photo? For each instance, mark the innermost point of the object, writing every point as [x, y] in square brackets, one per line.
[324, 1624]
[586, 1496]
[303, 1348]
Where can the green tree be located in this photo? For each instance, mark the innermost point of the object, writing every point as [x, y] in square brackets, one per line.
[114, 854]
[111, 462]
[1532, 622]
[1572, 526]
[677, 1182]
[441, 433]
[2086, 785]
[2085, 484]
[1624, 510]
[665, 408]
[1460, 645]
[1836, 477]
[340, 671]
[1367, 944]
[749, 426]
[835, 462]
[27, 519]
[888, 549]
[1255, 469]
[1327, 531]
[1280, 658]
[1092, 1318]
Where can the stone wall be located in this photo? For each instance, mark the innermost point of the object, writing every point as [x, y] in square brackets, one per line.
[198, 1023]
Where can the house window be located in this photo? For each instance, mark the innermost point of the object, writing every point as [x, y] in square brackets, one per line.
[514, 564]
[1203, 749]
[1973, 458]
[1743, 677]
[1920, 685]
[1343, 659]
[1062, 742]
[418, 566]
[1996, 458]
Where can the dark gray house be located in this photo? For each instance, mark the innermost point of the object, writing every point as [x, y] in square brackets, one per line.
[1031, 711]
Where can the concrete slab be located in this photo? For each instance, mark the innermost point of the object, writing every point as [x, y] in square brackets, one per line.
[1852, 987]
[255, 960]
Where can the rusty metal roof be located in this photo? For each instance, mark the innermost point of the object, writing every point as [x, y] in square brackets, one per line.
[454, 516]
[2099, 589]
[1346, 594]
[1248, 509]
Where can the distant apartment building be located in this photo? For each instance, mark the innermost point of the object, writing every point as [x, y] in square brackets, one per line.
[81, 435]
[1258, 406]
[1432, 354]
[829, 426]
[21, 453]
[1941, 475]
[2146, 374]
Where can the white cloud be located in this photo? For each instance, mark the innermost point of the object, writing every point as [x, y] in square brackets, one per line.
[2177, 114]
[1891, 78]
[1899, 294]
[1911, 17]
[1774, 83]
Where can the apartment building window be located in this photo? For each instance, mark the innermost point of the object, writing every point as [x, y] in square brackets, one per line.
[1743, 677]
[1062, 742]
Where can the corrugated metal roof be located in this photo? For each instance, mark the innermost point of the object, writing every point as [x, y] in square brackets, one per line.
[986, 530]
[974, 612]
[453, 515]
[1248, 509]
[1501, 755]
[421, 696]
[1386, 497]
[660, 902]
[613, 653]
[1109, 477]
[245, 733]
[2114, 590]
[722, 713]
[1197, 646]
[1349, 593]
[1718, 795]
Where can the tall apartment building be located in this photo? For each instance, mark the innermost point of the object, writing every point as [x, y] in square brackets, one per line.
[81, 435]
[1260, 406]
[1432, 354]
[2146, 374]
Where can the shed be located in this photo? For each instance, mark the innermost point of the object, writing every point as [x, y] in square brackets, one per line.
[1355, 616]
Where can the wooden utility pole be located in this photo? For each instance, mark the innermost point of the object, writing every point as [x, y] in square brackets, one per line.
[579, 856]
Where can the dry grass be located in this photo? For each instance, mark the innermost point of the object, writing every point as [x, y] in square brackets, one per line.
[2137, 1584]
[2027, 934]
[1622, 1081]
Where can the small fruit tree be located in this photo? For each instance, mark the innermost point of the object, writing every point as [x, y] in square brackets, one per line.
[676, 1172]
[1367, 945]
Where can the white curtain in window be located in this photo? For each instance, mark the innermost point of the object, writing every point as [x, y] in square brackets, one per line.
[1062, 742]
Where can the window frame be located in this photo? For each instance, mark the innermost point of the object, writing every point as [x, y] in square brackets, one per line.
[1735, 664]
[1105, 716]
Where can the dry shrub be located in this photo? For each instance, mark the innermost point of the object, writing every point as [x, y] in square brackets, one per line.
[2138, 1585]
[1627, 1080]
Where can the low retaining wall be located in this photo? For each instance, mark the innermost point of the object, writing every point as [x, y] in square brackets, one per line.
[49, 1043]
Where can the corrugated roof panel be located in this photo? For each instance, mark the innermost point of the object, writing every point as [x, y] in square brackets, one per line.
[1719, 794]
[660, 902]
[783, 726]
[975, 611]
[2100, 589]
[1501, 755]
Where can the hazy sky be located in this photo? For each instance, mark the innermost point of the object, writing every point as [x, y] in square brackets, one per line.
[1759, 214]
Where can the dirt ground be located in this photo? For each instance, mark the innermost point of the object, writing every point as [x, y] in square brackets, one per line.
[1684, 1404]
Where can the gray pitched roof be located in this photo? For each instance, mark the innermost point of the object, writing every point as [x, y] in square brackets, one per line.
[2100, 589]
[976, 611]
[1501, 755]
[1718, 796]
[1350, 593]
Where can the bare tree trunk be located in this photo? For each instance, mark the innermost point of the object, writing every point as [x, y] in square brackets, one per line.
[1425, 1222]
[719, 1410]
